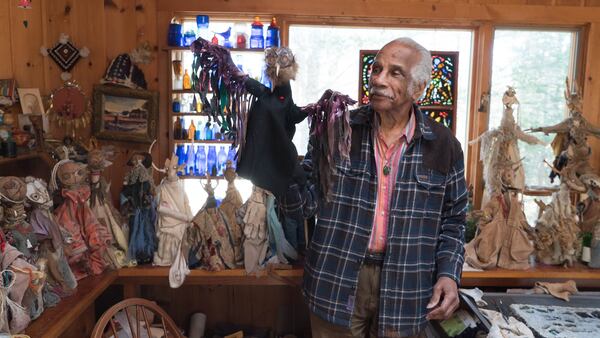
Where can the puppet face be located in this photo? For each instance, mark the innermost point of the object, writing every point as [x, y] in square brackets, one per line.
[37, 192]
[96, 160]
[281, 65]
[13, 188]
[172, 168]
[72, 174]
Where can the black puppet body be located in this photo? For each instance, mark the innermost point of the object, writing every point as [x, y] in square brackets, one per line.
[269, 156]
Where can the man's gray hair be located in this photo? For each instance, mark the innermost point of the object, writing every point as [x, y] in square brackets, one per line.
[421, 72]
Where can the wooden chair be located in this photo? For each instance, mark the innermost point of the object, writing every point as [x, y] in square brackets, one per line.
[136, 310]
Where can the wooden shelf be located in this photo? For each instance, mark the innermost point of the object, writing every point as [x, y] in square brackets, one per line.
[203, 142]
[22, 157]
[183, 91]
[189, 114]
[149, 275]
[249, 50]
[581, 274]
[189, 177]
[56, 320]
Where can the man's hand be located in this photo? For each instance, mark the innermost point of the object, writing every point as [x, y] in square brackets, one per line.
[444, 299]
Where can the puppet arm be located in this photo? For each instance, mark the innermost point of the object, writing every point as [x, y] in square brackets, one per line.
[591, 129]
[561, 127]
[172, 213]
[523, 136]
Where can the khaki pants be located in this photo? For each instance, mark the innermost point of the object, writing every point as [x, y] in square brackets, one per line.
[364, 321]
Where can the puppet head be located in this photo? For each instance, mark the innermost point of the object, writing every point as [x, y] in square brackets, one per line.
[12, 189]
[70, 174]
[573, 98]
[281, 65]
[37, 192]
[171, 168]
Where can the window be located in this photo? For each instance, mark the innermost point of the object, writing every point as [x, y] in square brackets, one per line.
[536, 63]
[329, 59]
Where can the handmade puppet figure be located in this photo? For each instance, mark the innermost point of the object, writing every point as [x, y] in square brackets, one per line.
[500, 151]
[557, 234]
[85, 239]
[570, 146]
[60, 280]
[502, 238]
[138, 206]
[174, 213]
[263, 119]
[105, 212]
[253, 218]
[26, 291]
[13, 317]
[16, 229]
[212, 228]
[229, 207]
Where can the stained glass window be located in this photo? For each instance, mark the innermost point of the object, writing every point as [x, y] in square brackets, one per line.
[439, 100]
[441, 88]
[443, 116]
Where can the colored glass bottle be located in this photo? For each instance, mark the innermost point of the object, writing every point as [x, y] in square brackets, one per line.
[190, 160]
[192, 131]
[231, 156]
[187, 81]
[211, 161]
[176, 104]
[180, 157]
[208, 131]
[222, 160]
[183, 130]
[177, 129]
[200, 161]
[188, 38]
[216, 132]
[257, 40]
[272, 39]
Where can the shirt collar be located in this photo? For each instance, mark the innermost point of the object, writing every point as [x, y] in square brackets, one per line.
[409, 129]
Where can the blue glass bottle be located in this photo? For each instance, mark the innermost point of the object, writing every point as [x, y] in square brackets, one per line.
[200, 161]
[180, 156]
[208, 131]
[216, 132]
[188, 38]
[257, 39]
[222, 161]
[272, 39]
[211, 161]
[231, 156]
[191, 161]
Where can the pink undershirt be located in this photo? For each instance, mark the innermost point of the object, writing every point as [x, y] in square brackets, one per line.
[385, 183]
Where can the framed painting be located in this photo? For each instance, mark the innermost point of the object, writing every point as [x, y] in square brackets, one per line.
[124, 114]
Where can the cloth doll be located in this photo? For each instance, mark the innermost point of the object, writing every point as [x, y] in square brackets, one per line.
[213, 245]
[17, 230]
[105, 212]
[253, 217]
[85, 239]
[174, 213]
[229, 207]
[60, 280]
[138, 207]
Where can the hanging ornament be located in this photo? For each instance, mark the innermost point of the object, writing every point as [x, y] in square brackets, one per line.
[69, 107]
[25, 4]
[65, 54]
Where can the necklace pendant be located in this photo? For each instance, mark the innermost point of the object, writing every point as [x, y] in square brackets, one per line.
[386, 170]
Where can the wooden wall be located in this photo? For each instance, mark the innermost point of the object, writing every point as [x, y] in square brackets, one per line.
[107, 27]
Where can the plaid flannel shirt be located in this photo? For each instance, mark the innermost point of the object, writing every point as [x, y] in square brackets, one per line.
[425, 233]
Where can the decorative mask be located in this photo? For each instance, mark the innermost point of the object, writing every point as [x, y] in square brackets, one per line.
[37, 192]
[13, 189]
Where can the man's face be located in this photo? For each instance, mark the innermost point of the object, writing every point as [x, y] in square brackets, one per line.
[391, 78]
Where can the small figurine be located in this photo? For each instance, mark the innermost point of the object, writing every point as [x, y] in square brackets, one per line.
[105, 212]
[253, 217]
[60, 279]
[174, 213]
[139, 208]
[86, 240]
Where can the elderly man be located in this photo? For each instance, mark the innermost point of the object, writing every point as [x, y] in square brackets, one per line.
[387, 251]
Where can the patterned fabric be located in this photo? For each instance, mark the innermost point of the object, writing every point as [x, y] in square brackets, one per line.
[86, 239]
[394, 153]
[425, 232]
[65, 55]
